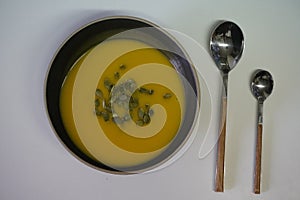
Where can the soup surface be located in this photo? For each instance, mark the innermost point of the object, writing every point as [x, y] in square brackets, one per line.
[122, 103]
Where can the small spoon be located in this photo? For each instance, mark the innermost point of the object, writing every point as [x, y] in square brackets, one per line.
[226, 46]
[261, 87]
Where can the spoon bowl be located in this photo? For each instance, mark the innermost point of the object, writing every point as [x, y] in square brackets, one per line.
[226, 45]
[261, 85]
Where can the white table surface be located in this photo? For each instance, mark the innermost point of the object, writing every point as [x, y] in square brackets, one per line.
[35, 165]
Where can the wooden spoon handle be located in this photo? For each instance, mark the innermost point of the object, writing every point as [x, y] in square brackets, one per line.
[219, 182]
[257, 173]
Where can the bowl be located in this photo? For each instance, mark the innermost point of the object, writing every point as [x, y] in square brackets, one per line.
[134, 151]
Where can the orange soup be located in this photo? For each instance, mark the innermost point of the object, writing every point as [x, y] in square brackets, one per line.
[122, 103]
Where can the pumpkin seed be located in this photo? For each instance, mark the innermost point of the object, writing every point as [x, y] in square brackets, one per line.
[119, 95]
[105, 116]
[144, 90]
[146, 119]
[97, 103]
[117, 75]
[108, 85]
[97, 112]
[108, 109]
[141, 113]
[133, 102]
[140, 122]
[167, 96]
[147, 106]
[99, 93]
[150, 91]
[122, 67]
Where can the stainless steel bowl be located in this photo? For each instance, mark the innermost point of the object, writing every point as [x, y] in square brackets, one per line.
[96, 32]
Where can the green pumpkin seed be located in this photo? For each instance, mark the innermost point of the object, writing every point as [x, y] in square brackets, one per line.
[146, 91]
[147, 106]
[119, 95]
[143, 90]
[108, 85]
[108, 109]
[98, 113]
[122, 67]
[105, 116]
[117, 75]
[133, 102]
[167, 96]
[141, 113]
[140, 122]
[146, 119]
[97, 103]
[99, 93]
[150, 91]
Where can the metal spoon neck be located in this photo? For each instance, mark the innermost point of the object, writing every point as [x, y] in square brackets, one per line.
[225, 82]
[260, 107]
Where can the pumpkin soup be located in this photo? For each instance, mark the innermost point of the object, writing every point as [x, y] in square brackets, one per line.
[122, 103]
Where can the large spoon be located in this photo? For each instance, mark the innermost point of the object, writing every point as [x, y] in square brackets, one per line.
[261, 87]
[226, 46]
